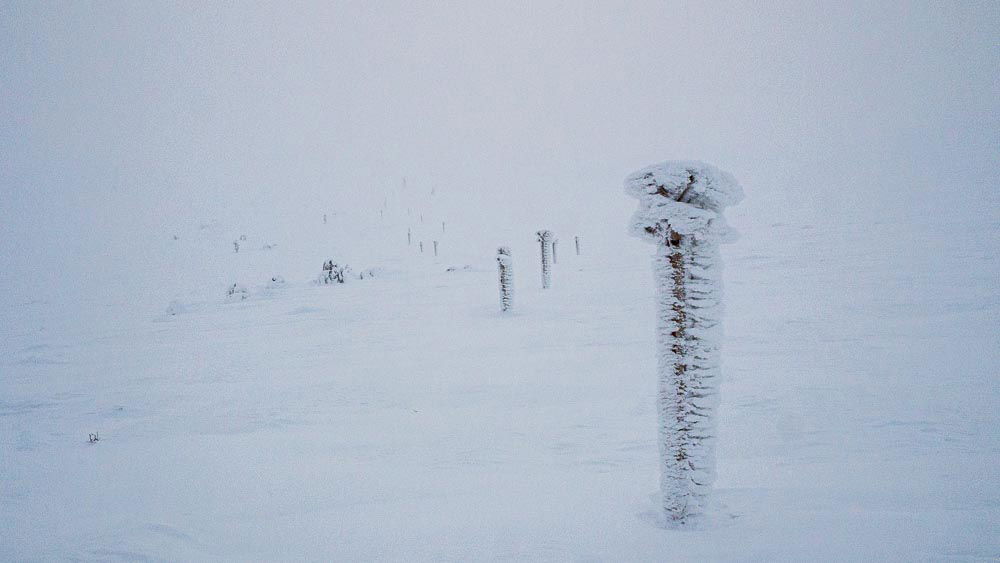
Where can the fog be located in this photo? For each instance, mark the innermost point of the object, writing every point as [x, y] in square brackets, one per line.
[122, 120]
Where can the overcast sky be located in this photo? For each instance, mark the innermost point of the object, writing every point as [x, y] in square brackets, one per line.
[123, 117]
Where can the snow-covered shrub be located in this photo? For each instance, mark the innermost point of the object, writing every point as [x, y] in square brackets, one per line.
[237, 291]
[276, 282]
[506, 272]
[333, 273]
[680, 210]
[546, 239]
[368, 274]
[236, 245]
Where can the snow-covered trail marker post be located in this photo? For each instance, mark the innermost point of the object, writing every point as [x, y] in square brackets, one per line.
[506, 273]
[680, 210]
[546, 238]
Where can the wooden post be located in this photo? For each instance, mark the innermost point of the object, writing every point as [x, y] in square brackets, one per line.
[545, 238]
[680, 211]
[506, 274]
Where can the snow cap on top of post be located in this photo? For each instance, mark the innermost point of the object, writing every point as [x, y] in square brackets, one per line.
[683, 196]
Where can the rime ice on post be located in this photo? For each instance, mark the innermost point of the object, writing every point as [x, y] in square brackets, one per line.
[546, 238]
[680, 210]
[505, 267]
[435, 248]
[576, 239]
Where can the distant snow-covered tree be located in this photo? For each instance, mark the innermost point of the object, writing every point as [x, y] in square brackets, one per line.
[546, 239]
[680, 210]
[505, 267]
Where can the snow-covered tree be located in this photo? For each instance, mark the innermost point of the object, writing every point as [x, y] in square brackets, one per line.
[546, 239]
[505, 266]
[680, 210]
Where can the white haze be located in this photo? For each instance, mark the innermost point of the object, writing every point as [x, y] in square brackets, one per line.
[124, 121]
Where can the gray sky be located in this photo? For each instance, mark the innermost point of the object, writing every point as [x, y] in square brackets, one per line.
[120, 118]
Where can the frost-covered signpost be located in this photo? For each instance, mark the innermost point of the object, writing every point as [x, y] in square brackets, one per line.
[680, 210]
[505, 268]
[546, 238]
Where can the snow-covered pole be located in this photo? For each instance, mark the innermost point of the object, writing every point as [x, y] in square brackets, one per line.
[442, 226]
[576, 240]
[555, 255]
[505, 267]
[546, 238]
[435, 248]
[680, 210]
[409, 237]
[421, 247]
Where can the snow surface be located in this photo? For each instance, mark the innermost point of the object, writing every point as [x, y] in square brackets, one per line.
[403, 417]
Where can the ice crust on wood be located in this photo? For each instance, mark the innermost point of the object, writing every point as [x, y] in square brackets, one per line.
[546, 238]
[687, 195]
[680, 209]
[506, 273]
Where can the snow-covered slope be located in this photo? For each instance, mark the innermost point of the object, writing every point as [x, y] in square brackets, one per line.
[404, 418]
